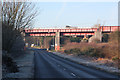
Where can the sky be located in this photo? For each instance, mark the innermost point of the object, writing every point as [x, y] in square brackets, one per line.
[75, 14]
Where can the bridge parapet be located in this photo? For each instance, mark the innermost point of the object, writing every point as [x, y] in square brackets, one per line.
[102, 28]
[61, 30]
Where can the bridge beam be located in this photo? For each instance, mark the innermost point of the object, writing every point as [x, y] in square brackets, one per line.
[57, 41]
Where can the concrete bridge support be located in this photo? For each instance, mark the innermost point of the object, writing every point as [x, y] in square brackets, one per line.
[57, 41]
[97, 36]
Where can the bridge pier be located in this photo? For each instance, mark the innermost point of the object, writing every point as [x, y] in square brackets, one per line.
[97, 35]
[57, 41]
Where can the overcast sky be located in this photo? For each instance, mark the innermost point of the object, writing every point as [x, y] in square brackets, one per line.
[78, 14]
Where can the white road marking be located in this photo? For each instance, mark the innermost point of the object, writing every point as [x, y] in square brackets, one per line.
[64, 69]
[73, 74]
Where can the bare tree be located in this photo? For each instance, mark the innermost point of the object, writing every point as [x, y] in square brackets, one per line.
[15, 15]
[18, 14]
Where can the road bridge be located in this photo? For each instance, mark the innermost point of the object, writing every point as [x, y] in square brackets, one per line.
[69, 32]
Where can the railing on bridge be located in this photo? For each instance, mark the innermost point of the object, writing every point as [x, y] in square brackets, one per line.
[102, 28]
[61, 30]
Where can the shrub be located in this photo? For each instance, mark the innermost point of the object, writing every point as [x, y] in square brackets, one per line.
[10, 64]
[100, 55]
[115, 58]
[88, 50]
[75, 39]
[67, 51]
[105, 38]
[74, 51]
[95, 50]
[96, 40]
[114, 37]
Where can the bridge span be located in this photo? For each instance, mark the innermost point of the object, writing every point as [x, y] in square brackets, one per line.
[69, 32]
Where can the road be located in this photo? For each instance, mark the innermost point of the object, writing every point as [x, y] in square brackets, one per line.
[48, 65]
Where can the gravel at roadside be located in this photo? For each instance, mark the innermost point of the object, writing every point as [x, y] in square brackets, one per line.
[96, 65]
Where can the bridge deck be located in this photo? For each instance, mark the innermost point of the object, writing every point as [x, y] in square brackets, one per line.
[70, 32]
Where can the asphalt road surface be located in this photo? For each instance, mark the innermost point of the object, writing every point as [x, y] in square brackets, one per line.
[48, 65]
